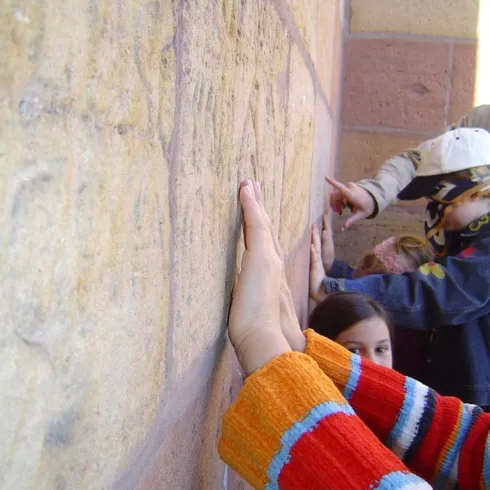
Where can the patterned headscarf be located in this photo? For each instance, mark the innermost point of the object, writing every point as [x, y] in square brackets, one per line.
[387, 254]
[445, 197]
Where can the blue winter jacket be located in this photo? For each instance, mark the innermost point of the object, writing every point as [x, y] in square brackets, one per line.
[451, 298]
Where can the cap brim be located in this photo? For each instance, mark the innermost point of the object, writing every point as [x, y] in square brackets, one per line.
[419, 187]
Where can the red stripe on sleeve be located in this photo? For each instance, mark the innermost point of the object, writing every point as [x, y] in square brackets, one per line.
[473, 453]
[444, 421]
[373, 383]
[339, 460]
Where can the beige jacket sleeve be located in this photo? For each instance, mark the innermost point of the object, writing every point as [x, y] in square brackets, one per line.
[398, 171]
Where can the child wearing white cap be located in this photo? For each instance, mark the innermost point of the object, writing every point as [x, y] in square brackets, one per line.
[369, 197]
[451, 298]
[454, 173]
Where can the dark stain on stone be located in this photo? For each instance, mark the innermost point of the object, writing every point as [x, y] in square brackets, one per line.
[42, 97]
[27, 189]
[60, 482]
[82, 187]
[59, 429]
[68, 73]
[122, 129]
[419, 88]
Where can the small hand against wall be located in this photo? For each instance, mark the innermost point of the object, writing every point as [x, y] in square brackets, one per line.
[328, 247]
[317, 271]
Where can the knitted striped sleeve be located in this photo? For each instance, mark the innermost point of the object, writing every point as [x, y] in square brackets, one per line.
[439, 438]
[290, 428]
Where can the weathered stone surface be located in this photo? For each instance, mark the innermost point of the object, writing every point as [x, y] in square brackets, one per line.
[125, 128]
[84, 236]
[396, 83]
[463, 80]
[299, 147]
[297, 275]
[321, 159]
[363, 153]
[231, 125]
[316, 23]
[188, 456]
[452, 18]
[327, 62]
[175, 464]
[335, 79]
[305, 17]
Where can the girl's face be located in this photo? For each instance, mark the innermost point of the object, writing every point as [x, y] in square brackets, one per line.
[370, 339]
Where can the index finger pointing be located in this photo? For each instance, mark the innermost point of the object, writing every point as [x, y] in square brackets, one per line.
[344, 190]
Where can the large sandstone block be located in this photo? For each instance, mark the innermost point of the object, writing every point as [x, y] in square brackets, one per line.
[321, 164]
[396, 83]
[336, 63]
[188, 455]
[328, 45]
[316, 22]
[463, 80]
[125, 128]
[84, 236]
[231, 125]
[299, 152]
[175, 465]
[304, 16]
[451, 18]
[363, 153]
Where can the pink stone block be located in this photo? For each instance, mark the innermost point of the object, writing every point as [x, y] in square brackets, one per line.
[337, 63]
[463, 80]
[395, 83]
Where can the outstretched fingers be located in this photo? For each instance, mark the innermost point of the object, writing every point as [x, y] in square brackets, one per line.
[255, 226]
[315, 239]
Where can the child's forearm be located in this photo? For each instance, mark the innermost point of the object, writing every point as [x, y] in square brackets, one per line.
[291, 428]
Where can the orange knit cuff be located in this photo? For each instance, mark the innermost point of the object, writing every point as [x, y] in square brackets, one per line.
[333, 359]
[269, 403]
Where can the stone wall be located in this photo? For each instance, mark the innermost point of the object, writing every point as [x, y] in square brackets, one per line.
[409, 70]
[126, 127]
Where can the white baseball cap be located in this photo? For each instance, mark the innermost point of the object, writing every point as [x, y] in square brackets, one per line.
[459, 149]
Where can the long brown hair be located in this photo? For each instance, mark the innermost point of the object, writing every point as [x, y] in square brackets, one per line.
[340, 311]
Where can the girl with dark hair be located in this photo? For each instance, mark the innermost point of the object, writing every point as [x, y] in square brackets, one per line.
[358, 323]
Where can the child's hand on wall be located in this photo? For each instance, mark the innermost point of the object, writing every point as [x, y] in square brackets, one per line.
[328, 247]
[254, 325]
[317, 272]
[289, 321]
